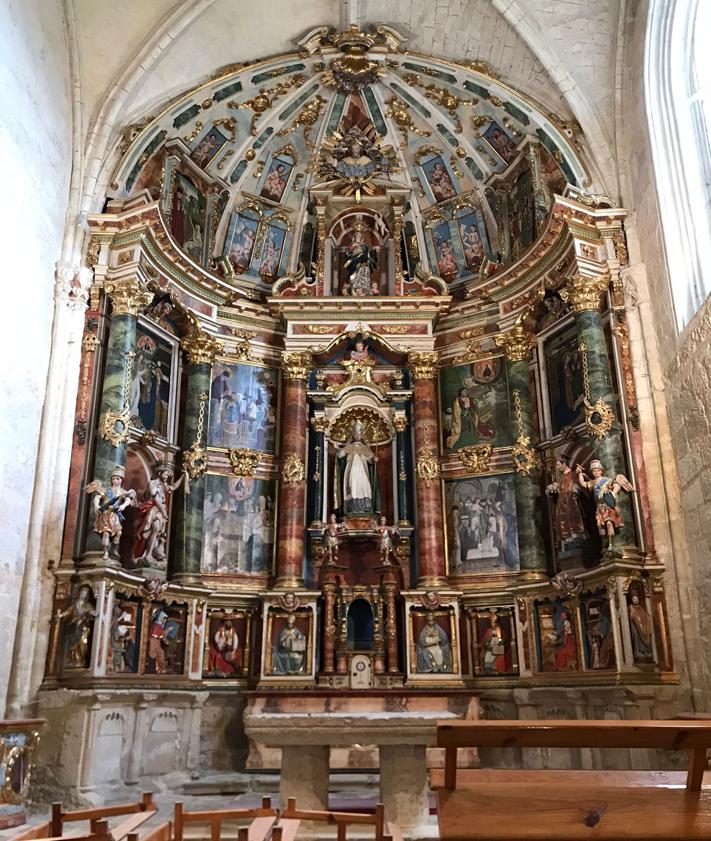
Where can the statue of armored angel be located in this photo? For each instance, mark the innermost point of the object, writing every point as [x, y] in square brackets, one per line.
[605, 491]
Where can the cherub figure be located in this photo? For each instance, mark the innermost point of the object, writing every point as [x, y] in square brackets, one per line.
[605, 491]
[385, 541]
[331, 533]
[109, 505]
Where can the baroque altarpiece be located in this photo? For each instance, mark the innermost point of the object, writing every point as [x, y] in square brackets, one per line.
[356, 410]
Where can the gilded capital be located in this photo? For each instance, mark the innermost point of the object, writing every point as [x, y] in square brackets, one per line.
[400, 423]
[296, 364]
[128, 296]
[423, 364]
[584, 293]
[517, 343]
[200, 347]
[319, 424]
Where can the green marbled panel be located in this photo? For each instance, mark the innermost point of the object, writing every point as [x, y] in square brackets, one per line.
[609, 449]
[529, 499]
[187, 534]
[122, 339]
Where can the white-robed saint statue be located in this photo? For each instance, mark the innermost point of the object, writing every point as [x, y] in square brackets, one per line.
[355, 489]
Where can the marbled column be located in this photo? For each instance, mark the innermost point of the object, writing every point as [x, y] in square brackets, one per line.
[200, 349]
[318, 425]
[517, 344]
[583, 294]
[430, 519]
[128, 298]
[292, 489]
[400, 424]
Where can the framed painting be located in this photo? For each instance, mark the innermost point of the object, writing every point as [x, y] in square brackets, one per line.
[165, 641]
[564, 371]
[521, 215]
[556, 637]
[207, 147]
[439, 179]
[433, 649]
[240, 240]
[482, 530]
[124, 636]
[187, 216]
[473, 239]
[152, 379]
[289, 644]
[493, 633]
[598, 638]
[274, 238]
[500, 142]
[227, 644]
[238, 525]
[243, 407]
[475, 405]
[277, 178]
[445, 257]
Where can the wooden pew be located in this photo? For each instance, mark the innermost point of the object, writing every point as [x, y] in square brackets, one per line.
[492, 805]
[137, 814]
[262, 820]
[291, 817]
[99, 832]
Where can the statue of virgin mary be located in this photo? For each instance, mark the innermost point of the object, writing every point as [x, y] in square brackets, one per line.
[355, 488]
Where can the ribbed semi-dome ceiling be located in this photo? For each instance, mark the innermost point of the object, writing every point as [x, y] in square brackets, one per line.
[234, 160]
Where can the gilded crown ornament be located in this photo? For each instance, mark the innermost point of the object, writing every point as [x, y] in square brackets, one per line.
[128, 296]
[200, 347]
[423, 364]
[355, 70]
[516, 342]
[296, 364]
[584, 293]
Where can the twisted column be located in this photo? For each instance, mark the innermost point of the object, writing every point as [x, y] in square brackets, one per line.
[517, 344]
[200, 350]
[296, 367]
[128, 297]
[430, 519]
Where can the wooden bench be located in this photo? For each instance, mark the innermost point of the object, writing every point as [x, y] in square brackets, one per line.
[291, 817]
[42, 832]
[137, 814]
[492, 805]
[262, 820]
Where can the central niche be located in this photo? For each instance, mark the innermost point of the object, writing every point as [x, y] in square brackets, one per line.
[361, 630]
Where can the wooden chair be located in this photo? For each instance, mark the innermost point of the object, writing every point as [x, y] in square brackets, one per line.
[262, 820]
[492, 805]
[291, 818]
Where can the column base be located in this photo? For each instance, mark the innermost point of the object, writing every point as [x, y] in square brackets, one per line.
[288, 583]
[95, 558]
[186, 579]
[532, 575]
[428, 581]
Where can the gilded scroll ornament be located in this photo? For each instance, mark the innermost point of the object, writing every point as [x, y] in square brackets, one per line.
[423, 364]
[114, 424]
[200, 347]
[599, 416]
[128, 296]
[517, 343]
[525, 457]
[584, 293]
[319, 424]
[195, 458]
[293, 471]
[428, 467]
[245, 461]
[296, 364]
[476, 458]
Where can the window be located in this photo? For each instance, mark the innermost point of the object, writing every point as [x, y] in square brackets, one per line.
[678, 89]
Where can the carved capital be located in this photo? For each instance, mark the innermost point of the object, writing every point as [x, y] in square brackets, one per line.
[296, 364]
[400, 423]
[516, 343]
[584, 293]
[128, 296]
[319, 424]
[200, 347]
[423, 364]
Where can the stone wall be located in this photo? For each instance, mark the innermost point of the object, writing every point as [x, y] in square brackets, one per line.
[35, 147]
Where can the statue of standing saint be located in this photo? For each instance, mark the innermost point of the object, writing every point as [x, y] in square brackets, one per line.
[356, 489]
[360, 261]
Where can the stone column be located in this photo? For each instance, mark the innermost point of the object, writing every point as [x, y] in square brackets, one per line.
[304, 776]
[200, 349]
[400, 424]
[292, 490]
[584, 294]
[517, 344]
[128, 297]
[404, 788]
[319, 426]
[430, 520]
